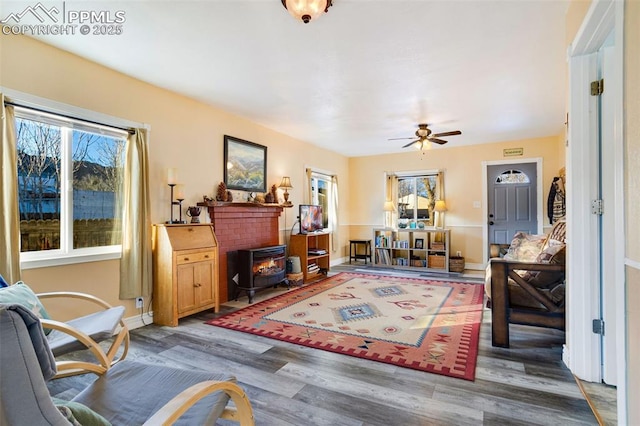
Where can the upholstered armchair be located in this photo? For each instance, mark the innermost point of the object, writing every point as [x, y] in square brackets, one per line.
[130, 393]
[527, 285]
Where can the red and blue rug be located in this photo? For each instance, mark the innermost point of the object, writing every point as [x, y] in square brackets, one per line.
[426, 325]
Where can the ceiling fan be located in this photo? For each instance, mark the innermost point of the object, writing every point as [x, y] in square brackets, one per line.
[425, 137]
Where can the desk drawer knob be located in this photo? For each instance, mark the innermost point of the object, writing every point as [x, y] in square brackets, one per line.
[186, 259]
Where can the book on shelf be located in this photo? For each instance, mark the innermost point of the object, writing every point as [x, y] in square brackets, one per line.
[383, 241]
[383, 256]
[316, 251]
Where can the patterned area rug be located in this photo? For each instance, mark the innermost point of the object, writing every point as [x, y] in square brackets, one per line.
[426, 325]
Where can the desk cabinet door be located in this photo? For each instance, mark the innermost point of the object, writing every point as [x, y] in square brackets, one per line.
[195, 285]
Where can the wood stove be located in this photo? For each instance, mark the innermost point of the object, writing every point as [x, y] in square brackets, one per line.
[260, 268]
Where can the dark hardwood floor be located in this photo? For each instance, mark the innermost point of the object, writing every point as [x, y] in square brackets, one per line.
[294, 385]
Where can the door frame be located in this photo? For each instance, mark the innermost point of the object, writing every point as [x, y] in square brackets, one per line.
[485, 197]
[603, 17]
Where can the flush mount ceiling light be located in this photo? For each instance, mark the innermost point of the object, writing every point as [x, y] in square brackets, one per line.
[306, 10]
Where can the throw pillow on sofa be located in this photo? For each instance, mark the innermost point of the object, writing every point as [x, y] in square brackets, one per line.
[525, 247]
[554, 253]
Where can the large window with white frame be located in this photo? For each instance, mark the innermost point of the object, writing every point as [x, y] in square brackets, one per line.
[416, 198]
[69, 185]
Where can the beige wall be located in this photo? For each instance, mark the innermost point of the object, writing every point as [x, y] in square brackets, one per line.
[185, 134]
[632, 190]
[462, 182]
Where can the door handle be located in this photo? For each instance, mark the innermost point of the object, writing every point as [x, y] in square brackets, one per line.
[490, 222]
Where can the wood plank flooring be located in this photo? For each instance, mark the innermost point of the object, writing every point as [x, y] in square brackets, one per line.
[295, 385]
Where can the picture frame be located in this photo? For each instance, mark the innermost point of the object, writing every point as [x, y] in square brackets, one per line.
[419, 243]
[245, 165]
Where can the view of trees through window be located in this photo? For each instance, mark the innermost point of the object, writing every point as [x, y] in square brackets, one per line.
[320, 188]
[56, 162]
[416, 199]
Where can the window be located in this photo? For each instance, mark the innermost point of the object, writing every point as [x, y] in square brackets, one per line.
[416, 199]
[321, 195]
[512, 176]
[69, 185]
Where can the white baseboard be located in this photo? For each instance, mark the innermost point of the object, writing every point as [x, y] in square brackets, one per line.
[475, 266]
[338, 261]
[138, 321]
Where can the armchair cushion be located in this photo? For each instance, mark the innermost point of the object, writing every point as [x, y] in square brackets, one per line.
[99, 326]
[122, 404]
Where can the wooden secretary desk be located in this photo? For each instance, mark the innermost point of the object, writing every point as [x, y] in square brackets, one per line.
[185, 271]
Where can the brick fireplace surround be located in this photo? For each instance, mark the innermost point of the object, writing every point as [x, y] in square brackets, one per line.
[241, 226]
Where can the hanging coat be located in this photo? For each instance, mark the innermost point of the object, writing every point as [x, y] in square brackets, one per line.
[551, 200]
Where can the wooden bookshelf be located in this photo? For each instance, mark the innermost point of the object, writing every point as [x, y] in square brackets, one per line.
[412, 248]
[312, 249]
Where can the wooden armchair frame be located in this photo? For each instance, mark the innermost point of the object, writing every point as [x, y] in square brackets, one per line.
[551, 314]
[172, 410]
[105, 359]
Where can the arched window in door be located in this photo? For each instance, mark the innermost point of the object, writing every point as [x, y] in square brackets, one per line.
[512, 176]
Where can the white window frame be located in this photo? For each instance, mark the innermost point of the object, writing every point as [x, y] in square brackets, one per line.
[414, 174]
[315, 175]
[66, 254]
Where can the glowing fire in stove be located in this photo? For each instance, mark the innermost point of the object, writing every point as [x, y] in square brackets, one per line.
[268, 267]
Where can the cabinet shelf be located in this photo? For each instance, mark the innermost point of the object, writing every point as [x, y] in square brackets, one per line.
[396, 248]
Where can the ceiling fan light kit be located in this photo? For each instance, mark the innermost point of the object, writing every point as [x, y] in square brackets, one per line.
[306, 10]
[425, 138]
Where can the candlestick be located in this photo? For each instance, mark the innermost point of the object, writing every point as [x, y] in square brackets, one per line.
[179, 191]
[172, 176]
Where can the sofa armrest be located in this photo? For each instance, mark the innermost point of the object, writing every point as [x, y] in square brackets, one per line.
[502, 270]
[502, 312]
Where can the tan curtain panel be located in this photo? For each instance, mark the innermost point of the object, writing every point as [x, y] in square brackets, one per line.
[440, 186]
[391, 194]
[10, 217]
[333, 216]
[135, 264]
[309, 172]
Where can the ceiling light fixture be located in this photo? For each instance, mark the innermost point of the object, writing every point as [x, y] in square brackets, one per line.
[306, 10]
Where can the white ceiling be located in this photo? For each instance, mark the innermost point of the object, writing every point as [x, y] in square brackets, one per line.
[365, 72]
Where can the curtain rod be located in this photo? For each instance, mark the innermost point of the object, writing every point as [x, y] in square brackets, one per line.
[84, 120]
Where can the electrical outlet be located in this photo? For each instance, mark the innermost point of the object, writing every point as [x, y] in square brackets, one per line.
[139, 302]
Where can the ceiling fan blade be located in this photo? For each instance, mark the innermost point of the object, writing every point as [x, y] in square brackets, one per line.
[439, 141]
[397, 139]
[411, 143]
[455, 132]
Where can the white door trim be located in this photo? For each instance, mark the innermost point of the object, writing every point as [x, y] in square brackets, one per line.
[603, 17]
[485, 197]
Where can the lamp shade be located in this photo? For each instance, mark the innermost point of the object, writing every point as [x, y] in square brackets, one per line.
[389, 206]
[440, 206]
[286, 183]
[306, 10]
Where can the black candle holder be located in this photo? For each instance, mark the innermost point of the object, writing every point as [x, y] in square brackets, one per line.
[178, 203]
